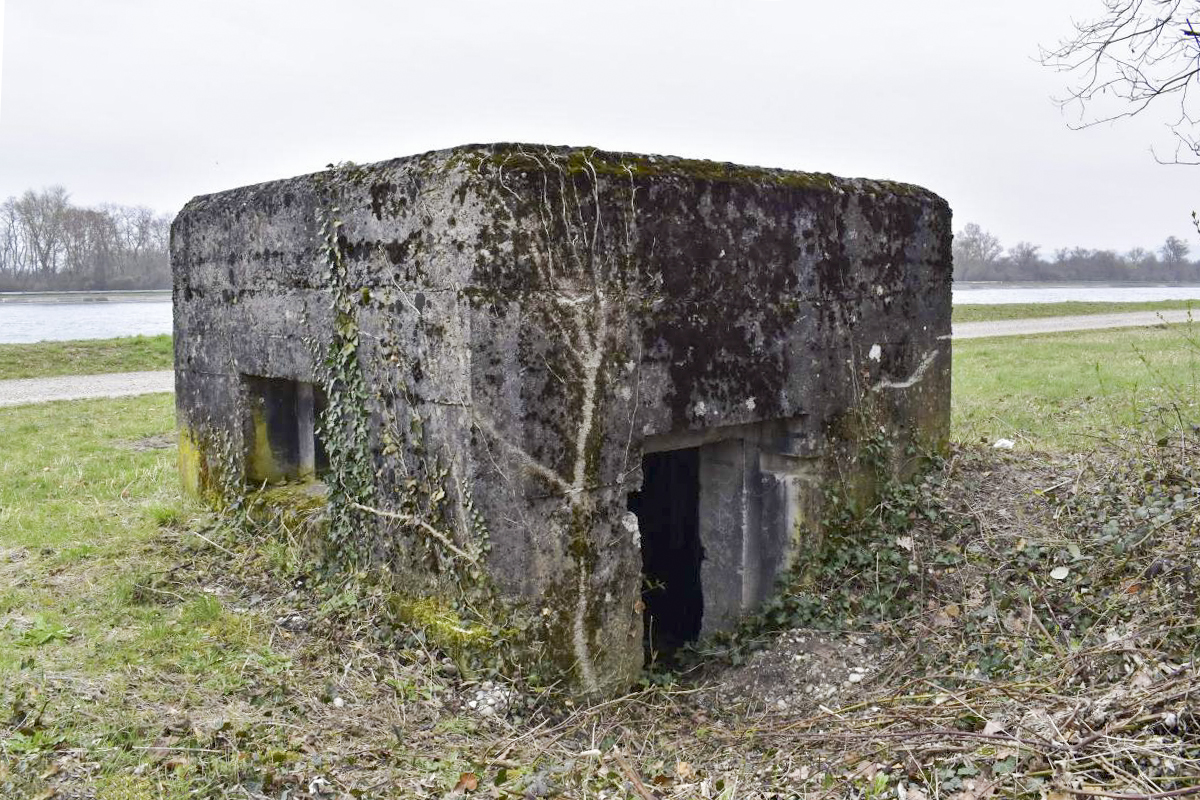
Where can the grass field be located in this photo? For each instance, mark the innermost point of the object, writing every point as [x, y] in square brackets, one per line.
[86, 357]
[1061, 392]
[85, 490]
[128, 663]
[988, 313]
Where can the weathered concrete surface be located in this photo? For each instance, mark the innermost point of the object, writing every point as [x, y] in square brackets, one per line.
[528, 321]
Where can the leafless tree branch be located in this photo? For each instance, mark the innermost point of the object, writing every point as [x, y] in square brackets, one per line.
[1137, 53]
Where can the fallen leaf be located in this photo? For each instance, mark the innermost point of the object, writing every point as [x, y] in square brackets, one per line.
[992, 727]
[684, 770]
[1014, 623]
[800, 774]
[1141, 679]
[467, 782]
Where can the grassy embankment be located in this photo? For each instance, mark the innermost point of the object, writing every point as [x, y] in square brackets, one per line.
[128, 665]
[86, 357]
[988, 313]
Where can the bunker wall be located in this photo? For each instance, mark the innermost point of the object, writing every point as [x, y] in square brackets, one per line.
[527, 322]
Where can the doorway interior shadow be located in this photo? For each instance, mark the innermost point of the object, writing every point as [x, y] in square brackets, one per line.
[668, 512]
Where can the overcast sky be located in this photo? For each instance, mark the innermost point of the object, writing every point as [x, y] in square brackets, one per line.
[150, 102]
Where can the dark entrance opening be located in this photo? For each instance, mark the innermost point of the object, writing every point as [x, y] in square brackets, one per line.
[281, 440]
[668, 512]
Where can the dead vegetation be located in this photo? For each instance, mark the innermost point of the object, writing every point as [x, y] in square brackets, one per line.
[1015, 625]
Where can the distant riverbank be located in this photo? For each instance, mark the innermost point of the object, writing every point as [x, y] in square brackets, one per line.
[60, 316]
[135, 296]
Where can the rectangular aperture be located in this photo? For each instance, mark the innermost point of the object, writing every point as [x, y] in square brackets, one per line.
[667, 509]
[280, 429]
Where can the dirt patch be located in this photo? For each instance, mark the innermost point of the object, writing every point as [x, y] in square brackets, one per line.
[803, 670]
[159, 441]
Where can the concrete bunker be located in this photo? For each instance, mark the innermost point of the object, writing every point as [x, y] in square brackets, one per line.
[606, 392]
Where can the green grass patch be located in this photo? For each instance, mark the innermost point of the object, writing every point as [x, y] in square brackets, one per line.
[989, 313]
[102, 637]
[86, 357]
[1066, 391]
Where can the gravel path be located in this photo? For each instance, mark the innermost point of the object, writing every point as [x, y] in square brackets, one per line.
[77, 387]
[122, 384]
[1021, 327]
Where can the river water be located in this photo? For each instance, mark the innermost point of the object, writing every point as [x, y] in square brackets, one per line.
[36, 317]
[102, 315]
[998, 293]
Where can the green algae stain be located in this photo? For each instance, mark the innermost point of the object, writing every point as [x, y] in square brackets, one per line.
[193, 467]
[261, 463]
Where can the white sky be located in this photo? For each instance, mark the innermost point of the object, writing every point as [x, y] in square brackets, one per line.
[149, 102]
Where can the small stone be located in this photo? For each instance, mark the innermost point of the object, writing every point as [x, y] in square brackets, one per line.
[781, 704]
[338, 702]
[855, 677]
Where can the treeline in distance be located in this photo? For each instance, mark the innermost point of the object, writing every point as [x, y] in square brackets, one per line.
[48, 243]
[979, 256]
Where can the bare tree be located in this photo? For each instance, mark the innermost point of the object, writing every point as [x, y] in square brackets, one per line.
[1139, 257]
[14, 249]
[1174, 254]
[1025, 258]
[48, 243]
[1137, 53]
[975, 252]
[90, 246]
[43, 217]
